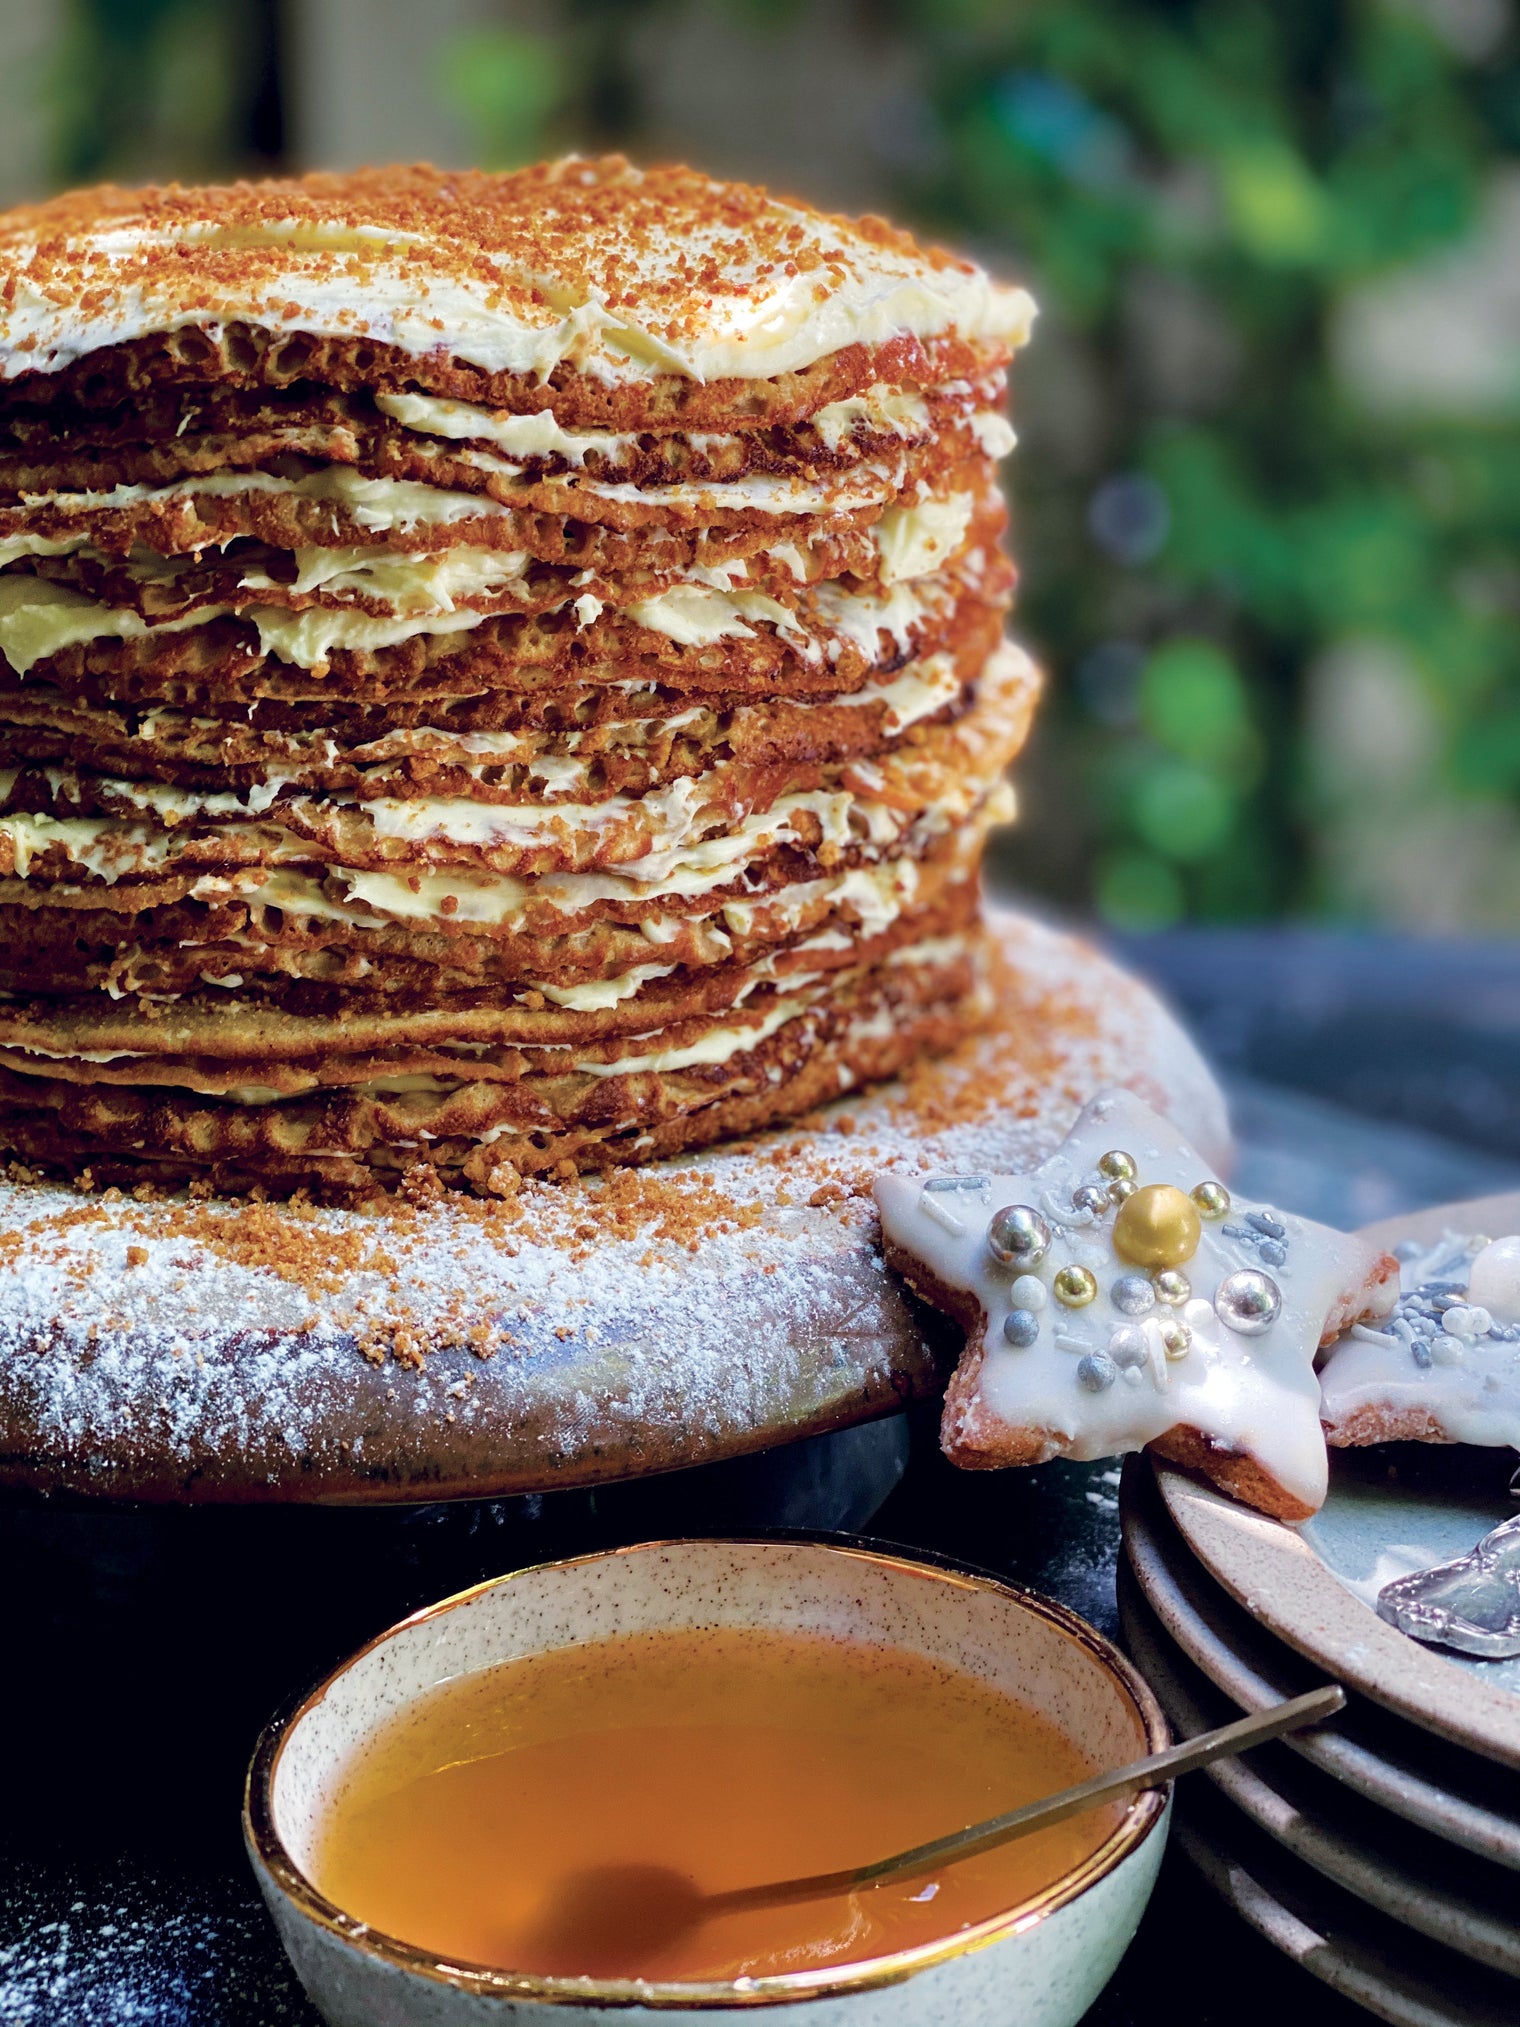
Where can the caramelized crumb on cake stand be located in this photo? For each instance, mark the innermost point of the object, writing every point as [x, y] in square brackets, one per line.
[574, 1334]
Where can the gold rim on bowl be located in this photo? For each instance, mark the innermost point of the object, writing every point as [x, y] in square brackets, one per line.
[1140, 1818]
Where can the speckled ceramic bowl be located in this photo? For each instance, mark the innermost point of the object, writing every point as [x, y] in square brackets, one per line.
[1042, 1962]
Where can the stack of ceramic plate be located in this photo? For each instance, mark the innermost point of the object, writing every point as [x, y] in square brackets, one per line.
[1382, 1852]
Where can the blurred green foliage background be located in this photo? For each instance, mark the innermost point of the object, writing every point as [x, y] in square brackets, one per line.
[1268, 495]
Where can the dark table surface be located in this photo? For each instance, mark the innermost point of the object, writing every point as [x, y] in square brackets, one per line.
[142, 1650]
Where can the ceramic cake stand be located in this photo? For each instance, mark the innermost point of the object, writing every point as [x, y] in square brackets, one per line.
[582, 1332]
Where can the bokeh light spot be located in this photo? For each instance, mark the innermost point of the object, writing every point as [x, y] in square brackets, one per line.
[1129, 517]
[1278, 210]
[1193, 702]
[1181, 811]
[1108, 682]
[1136, 890]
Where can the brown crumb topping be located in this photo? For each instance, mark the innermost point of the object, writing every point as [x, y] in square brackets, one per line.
[679, 249]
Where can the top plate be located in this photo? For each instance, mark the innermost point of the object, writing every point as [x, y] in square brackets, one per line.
[590, 1330]
[1282, 1579]
[1314, 1586]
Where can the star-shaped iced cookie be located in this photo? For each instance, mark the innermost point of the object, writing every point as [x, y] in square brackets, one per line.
[1444, 1365]
[1117, 1297]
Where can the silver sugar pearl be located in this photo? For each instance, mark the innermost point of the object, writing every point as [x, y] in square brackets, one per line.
[1090, 1198]
[1020, 1328]
[1018, 1236]
[1249, 1302]
[1095, 1371]
[1133, 1294]
[1128, 1347]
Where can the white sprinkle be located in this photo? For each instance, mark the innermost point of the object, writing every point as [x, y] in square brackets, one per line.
[935, 1207]
[1468, 1321]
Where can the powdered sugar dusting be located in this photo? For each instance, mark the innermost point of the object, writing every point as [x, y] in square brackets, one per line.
[574, 1331]
[118, 1958]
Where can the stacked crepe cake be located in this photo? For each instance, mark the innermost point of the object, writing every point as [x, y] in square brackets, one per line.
[502, 673]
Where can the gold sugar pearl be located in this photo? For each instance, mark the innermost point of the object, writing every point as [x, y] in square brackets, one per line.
[1074, 1287]
[1157, 1227]
[1172, 1287]
[1121, 1188]
[1117, 1165]
[1212, 1199]
[1176, 1338]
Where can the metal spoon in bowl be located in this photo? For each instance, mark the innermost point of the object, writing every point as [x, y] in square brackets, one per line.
[623, 1910]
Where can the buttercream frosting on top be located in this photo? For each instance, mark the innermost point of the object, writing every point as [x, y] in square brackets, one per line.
[624, 272]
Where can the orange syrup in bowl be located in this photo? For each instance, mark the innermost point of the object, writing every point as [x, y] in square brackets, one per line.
[511, 1818]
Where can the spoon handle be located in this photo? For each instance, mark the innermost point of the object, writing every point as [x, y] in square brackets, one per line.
[1150, 1772]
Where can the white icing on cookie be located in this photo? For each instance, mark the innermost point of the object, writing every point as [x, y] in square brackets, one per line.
[1445, 1366]
[1256, 1291]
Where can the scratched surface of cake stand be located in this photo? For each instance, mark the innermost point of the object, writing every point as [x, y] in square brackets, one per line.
[579, 1334]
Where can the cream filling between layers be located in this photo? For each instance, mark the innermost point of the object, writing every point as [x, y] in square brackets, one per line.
[407, 583]
[719, 1045]
[919, 691]
[528, 436]
[696, 615]
[374, 503]
[385, 504]
[715, 1047]
[881, 409]
[876, 895]
[862, 487]
[913, 541]
[112, 848]
[499, 900]
[673, 817]
[39, 616]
